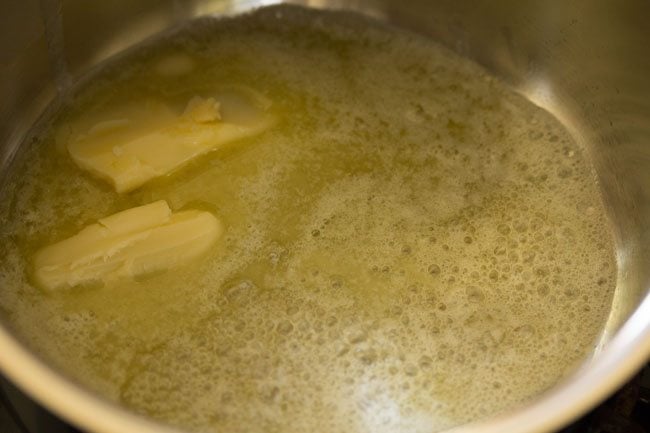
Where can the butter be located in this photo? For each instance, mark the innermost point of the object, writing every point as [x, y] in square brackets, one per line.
[136, 143]
[128, 244]
[203, 110]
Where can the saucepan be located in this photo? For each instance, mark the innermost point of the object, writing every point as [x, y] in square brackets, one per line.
[586, 62]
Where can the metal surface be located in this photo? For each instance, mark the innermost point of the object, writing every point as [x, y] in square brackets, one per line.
[586, 61]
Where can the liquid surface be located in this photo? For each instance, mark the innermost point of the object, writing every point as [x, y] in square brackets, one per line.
[411, 247]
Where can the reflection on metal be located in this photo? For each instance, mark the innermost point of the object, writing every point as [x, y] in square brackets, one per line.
[55, 44]
[381, 413]
[217, 7]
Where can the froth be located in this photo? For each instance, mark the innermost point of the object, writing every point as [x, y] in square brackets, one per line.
[413, 247]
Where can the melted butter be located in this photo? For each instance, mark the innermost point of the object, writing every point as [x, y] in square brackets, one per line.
[411, 247]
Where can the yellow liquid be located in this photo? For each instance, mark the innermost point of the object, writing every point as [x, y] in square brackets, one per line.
[413, 246]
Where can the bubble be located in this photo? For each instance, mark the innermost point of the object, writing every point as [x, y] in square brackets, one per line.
[270, 395]
[274, 258]
[240, 291]
[410, 370]
[434, 269]
[520, 226]
[542, 271]
[367, 356]
[413, 288]
[564, 172]
[425, 362]
[543, 289]
[285, 327]
[525, 330]
[357, 335]
[570, 292]
[341, 349]
[474, 294]
[528, 256]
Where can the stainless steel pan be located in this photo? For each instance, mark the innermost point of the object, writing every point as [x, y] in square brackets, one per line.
[586, 61]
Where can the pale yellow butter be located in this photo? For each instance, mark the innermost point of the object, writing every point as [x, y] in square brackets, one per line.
[139, 142]
[203, 110]
[130, 243]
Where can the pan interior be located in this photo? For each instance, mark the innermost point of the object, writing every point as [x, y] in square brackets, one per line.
[413, 246]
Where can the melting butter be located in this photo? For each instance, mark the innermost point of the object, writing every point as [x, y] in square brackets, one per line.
[140, 141]
[130, 243]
